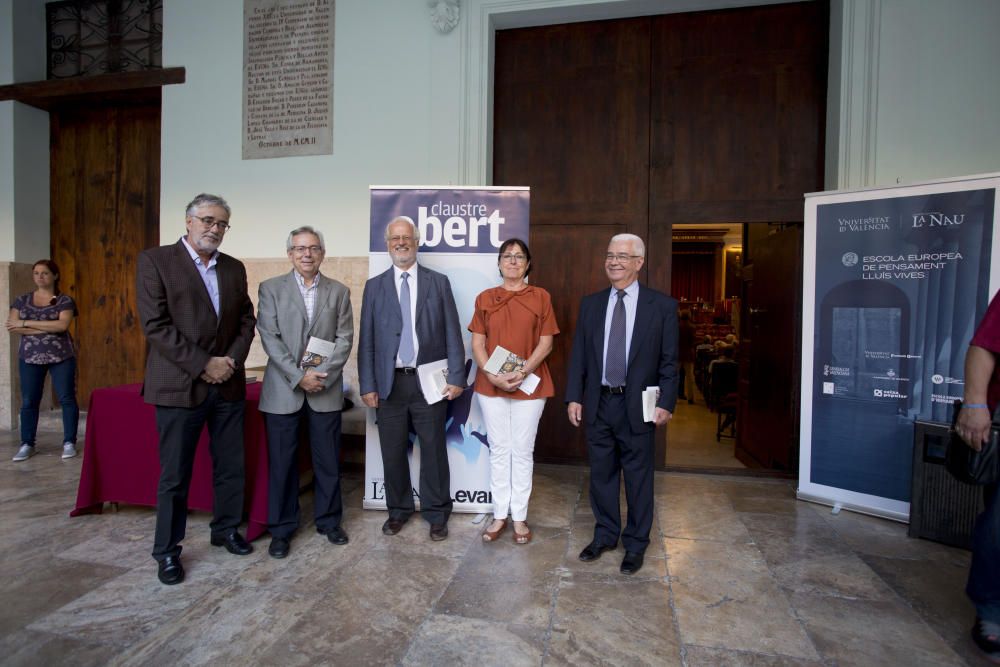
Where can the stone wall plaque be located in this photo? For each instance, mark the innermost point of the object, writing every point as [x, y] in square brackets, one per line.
[287, 78]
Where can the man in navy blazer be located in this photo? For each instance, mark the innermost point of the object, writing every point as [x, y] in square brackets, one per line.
[408, 318]
[625, 342]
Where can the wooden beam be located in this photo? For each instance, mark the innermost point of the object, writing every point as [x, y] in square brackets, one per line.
[46, 94]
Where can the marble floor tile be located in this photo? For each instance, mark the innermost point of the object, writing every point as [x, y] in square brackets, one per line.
[613, 623]
[369, 615]
[725, 597]
[880, 632]
[704, 656]
[787, 583]
[453, 640]
[936, 591]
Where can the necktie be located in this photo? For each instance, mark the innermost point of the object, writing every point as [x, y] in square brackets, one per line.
[614, 364]
[406, 337]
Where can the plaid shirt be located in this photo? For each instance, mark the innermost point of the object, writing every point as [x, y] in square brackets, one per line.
[308, 293]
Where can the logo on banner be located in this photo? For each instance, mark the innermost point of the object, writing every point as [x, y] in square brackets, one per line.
[872, 223]
[943, 398]
[937, 219]
[462, 226]
[836, 370]
[941, 379]
[850, 259]
[887, 393]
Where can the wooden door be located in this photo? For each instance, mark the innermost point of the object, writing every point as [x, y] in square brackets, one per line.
[571, 120]
[105, 199]
[769, 352]
[639, 124]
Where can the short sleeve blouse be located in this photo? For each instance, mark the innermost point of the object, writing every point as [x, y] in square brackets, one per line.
[47, 348]
[987, 336]
[516, 321]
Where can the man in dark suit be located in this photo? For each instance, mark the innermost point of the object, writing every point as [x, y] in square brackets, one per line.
[625, 342]
[198, 321]
[408, 318]
[294, 308]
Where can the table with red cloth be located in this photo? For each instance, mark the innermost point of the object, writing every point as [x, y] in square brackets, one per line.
[121, 461]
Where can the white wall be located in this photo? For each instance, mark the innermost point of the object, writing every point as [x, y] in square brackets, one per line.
[395, 93]
[914, 92]
[24, 136]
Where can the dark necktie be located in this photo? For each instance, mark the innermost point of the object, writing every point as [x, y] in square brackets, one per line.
[406, 337]
[614, 364]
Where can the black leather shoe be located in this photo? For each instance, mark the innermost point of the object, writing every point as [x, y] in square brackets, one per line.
[632, 562]
[337, 535]
[234, 543]
[392, 526]
[279, 547]
[170, 571]
[593, 551]
[439, 531]
[988, 643]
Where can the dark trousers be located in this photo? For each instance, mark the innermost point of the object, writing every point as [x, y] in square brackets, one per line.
[615, 450]
[33, 384]
[283, 474]
[179, 429]
[983, 587]
[406, 407]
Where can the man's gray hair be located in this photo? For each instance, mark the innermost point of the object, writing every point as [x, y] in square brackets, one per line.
[407, 219]
[638, 247]
[305, 229]
[205, 199]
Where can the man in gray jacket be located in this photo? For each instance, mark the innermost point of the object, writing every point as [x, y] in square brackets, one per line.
[294, 308]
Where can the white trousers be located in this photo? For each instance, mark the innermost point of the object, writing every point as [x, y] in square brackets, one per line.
[511, 426]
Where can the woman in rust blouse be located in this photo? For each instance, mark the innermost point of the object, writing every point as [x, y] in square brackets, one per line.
[518, 317]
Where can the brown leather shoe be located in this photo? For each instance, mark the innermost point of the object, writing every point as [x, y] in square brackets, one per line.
[439, 532]
[522, 538]
[392, 526]
[493, 535]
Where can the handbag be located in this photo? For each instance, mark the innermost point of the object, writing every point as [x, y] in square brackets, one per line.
[966, 464]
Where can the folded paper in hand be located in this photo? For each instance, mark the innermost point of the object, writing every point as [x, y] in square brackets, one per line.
[433, 379]
[318, 351]
[504, 361]
[650, 396]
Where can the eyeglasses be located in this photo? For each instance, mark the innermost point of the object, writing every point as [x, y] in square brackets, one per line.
[621, 258]
[301, 249]
[208, 222]
[513, 258]
[400, 239]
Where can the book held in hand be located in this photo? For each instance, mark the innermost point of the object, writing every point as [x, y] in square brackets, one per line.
[433, 378]
[650, 395]
[504, 361]
[318, 351]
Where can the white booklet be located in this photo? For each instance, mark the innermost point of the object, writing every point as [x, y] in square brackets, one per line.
[318, 351]
[433, 378]
[650, 396]
[504, 361]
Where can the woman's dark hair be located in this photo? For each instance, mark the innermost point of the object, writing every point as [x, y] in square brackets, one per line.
[54, 268]
[512, 242]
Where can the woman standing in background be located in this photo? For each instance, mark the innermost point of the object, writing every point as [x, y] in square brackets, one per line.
[42, 318]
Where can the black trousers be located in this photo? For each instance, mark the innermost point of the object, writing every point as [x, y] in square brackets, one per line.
[406, 407]
[179, 430]
[614, 451]
[283, 469]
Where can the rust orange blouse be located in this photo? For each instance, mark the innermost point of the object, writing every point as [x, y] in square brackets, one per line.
[515, 321]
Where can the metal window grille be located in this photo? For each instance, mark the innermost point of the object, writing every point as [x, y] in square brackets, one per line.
[87, 37]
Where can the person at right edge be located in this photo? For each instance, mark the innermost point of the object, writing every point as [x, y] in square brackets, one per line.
[625, 342]
[982, 393]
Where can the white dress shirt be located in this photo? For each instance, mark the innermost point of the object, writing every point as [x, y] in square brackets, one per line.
[412, 280]
[631, 302]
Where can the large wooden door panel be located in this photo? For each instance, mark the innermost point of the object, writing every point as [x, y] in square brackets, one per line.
[105, 209]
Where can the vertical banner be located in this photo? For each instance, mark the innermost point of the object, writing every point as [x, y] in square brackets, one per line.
[461, 230]
[895, 283]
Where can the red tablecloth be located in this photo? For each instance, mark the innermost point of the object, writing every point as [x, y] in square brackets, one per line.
[121, 462]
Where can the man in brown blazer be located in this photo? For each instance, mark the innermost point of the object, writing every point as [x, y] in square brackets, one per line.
[198, 321]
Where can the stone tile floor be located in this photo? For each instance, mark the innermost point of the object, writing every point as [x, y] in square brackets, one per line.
[739, 573]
